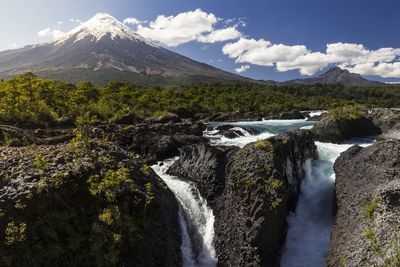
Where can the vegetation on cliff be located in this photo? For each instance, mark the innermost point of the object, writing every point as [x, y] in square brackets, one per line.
[72, 205]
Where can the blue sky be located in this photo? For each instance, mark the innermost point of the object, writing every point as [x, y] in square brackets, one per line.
[297, 31]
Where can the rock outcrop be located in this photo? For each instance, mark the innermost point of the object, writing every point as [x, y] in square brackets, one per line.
[336, 129]
[204, 165]
[251, 191]
[65, 205]
[153, 141]
[384, 118]
[392, 133]
[233, 131]
[367, 222]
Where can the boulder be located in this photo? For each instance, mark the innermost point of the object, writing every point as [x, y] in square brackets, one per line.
[338, 129]
[234, 131]
[166, 118]
[67, 206]
[392, 133]
[367, 220]
[291, 115]
[251, 191]
[127, 119]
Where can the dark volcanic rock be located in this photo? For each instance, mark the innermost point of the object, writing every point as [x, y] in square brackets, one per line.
[64, 206]
[204, 165]
[154, 141]
[292, 115]
[17, 137]
[262, 186]
[166, 118]
[337, 130]
[367, 222]
[229, 131]
[251, 191]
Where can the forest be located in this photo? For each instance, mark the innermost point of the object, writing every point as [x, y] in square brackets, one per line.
[33, 101]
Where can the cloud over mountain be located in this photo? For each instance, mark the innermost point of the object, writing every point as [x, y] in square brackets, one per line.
[184, 27]
[354, 57]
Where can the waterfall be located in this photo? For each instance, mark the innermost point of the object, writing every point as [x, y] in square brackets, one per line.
[308, 237]
[196, 220]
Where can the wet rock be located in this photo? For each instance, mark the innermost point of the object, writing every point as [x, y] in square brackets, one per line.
[232, 131]
[251, 191]
[204, 165]
[368, 211]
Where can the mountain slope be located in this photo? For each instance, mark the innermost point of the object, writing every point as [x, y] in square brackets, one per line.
[336, 75]
[104, 48]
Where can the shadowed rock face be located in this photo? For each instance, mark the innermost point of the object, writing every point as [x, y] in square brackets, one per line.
[337, 130]
[64, 206]
[368, 206]
[251, 191]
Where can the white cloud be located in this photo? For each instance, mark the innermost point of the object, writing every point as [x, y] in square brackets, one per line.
[188, 26]
[49, 32]
[131, 21]
[354, 57]
[221, 35]
[242, 68]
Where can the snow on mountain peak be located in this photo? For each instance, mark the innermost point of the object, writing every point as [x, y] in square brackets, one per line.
[100, 26]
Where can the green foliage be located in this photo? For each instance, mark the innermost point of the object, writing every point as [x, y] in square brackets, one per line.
[41, 162]
[145, 169]
[29, 100]
[110, 215]
[346, 112]
[262, 144]
[15, 232]
[149, 194]
[371, 207]
[110, 184]
[82, 131]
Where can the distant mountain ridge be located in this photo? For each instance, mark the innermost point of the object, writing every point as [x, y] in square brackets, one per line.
[102, 50]
[336, 75]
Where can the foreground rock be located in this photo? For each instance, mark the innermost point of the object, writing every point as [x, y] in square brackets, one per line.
[340, 125]
[392, 133]
[368, 207]
[251, 191]
[17, 137]
[101, 206]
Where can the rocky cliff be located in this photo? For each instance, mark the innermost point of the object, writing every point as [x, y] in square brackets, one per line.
[65, 205]
[368, 207]
[252, 191]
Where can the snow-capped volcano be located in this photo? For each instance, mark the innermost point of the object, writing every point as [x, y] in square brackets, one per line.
[102, 25]
[103, 49]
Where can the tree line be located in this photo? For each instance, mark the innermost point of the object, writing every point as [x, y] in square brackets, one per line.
[30, 100]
